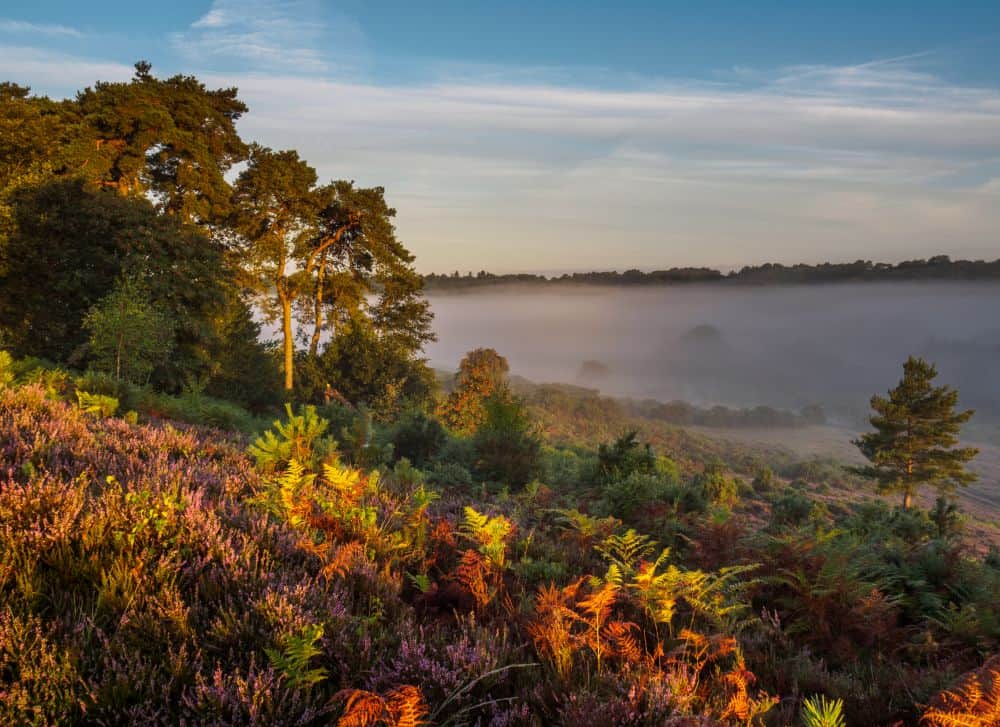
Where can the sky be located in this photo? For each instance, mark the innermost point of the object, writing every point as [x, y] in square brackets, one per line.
[575, 135]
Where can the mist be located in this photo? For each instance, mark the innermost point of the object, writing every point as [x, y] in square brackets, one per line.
[783, 346]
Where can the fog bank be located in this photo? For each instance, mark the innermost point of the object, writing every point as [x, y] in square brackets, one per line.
[784, 346]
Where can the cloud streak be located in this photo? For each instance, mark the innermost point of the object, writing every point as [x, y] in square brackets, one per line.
[286, 35]
[20, 27]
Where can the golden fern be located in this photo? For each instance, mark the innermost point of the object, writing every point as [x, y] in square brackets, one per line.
[626, 551]
[363, 709]
[344, 558]
[701, 650]
[973, 702]
[349, 484]
[621, 636]
[585, 528]
[407, 706]
[741, 705]
[473, 572]
[598, 607]
[490, 534]
[403, 706]
[552, 628]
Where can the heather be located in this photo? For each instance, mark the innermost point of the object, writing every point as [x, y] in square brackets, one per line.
[160, 572]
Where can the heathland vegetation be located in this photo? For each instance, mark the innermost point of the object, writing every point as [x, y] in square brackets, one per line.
[197, 527]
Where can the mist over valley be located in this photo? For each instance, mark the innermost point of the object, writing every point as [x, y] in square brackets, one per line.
[784, 346]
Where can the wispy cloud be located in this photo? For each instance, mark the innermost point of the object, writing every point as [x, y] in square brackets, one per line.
[20, 27]
[289, 35]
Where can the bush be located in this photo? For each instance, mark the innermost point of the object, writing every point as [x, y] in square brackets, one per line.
[718, 489]
[764, 480]
[562, 466]
[794, 508]
[686, 498]
[195, 408]
[6, 369]
[130, 335]
[96, 382]
[506, 447]
[623, 457]
[449, 475]
[417, 437]
[625, 496]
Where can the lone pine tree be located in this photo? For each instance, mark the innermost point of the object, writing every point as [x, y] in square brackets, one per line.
[915, 437]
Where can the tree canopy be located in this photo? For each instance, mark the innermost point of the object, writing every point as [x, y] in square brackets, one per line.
[131, 177]
[481, 373]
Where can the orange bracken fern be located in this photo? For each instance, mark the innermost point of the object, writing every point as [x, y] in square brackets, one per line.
[973, 702]
[403, 706]
[742, 705]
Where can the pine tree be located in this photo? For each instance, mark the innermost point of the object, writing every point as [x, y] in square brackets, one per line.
[915, 437]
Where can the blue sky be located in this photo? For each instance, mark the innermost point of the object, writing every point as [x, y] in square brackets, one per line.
[580, 135]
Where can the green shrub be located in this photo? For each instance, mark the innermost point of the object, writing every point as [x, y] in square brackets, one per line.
[946, 518]
[791, 508]
[626, 496]
[687, 498]
[623, 457]
[96, 382]
[195, 408]
[718, 488]
[417, 437]
[564, 466]
[667, 469]
[449, 475]
[129, 333]
[540, 572]
[764, 480]
[506, 447]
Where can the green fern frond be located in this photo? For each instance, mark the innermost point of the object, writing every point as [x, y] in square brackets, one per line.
[626, 550]
[489, 533]
[292, 660]
[97, 404]
[301, 437]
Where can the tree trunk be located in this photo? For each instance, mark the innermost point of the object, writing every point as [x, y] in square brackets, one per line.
[318, 306]
[908, 492]
[118, 357]
[289, 342]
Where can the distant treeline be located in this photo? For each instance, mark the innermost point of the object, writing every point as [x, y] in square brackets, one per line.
[939, 267]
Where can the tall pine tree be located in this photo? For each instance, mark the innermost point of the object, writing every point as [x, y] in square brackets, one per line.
[915, 437]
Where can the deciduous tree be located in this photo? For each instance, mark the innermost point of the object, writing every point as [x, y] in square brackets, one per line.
[481, 373]
[129, 334]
